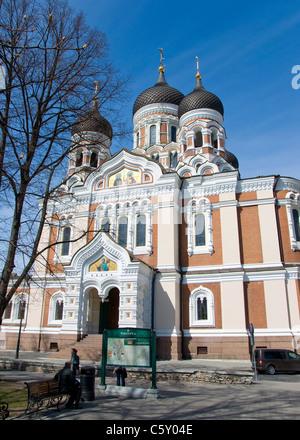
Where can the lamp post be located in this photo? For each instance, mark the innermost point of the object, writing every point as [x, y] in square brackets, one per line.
[21, 316]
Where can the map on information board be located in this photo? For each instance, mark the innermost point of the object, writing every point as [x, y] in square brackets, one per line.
[128, 351]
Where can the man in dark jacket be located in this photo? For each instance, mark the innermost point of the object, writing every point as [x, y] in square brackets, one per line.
[69, 385]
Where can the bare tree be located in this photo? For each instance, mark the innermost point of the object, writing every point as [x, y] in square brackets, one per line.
[49, 61]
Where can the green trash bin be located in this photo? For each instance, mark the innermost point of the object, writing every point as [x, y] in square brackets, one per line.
[87, 382]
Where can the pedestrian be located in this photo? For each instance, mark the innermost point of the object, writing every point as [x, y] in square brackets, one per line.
[69, 385]
[121, 375]
[75, 362]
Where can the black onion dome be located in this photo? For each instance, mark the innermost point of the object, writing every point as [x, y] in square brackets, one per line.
[231, 159]
[161, 92]
[93, 121]
[200, 98]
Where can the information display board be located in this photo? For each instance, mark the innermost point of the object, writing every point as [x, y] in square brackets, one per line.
[129, 347]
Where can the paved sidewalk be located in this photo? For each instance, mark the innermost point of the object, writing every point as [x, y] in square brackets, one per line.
[180, 403]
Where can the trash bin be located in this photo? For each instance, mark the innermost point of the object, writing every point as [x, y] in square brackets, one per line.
[87, 382]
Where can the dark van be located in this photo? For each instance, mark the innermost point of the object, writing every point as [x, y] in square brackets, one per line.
[271, 361]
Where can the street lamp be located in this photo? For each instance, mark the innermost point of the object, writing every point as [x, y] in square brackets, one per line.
[21, 313]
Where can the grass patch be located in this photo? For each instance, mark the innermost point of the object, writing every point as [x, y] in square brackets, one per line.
[15, 394]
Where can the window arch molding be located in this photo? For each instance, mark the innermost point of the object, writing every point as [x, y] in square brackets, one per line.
[56, 308]
[195, 207]
[64, 239]
[201, 308]
[13, 313]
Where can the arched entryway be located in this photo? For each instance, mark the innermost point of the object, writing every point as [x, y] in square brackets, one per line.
[109, 310]
[101, 315]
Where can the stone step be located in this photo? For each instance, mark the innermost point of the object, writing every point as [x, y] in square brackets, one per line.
[89, 348]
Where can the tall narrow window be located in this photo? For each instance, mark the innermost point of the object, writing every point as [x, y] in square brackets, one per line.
[201, 308]
[79, 158]
[138, 140]
[66, 235]
[140, 230]
[122, 231]
[199, 228]
[214, 140]
[59, 307]
[173, 134]
[152, 134]
[8, 310]
[198, 139]
[94, 160]
[296, 224]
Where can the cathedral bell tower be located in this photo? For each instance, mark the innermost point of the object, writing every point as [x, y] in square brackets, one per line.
[91, 140]
[201, 116]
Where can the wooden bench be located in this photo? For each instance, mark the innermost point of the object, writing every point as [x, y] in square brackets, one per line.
[43, 394]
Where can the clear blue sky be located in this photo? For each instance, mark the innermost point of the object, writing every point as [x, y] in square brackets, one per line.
[246, 54]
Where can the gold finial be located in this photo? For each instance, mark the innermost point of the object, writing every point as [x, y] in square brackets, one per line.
[161, 67]
[198, 74]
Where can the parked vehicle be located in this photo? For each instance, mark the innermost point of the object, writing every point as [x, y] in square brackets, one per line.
[271, 361]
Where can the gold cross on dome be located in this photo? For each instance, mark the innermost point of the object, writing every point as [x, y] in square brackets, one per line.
[161, 56]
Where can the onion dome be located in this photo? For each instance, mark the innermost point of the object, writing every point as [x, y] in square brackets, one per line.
[161, 92]
[200, 98]
[93, 121]
[231, 159]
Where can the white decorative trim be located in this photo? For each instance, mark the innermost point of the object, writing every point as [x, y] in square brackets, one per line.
[153, 109]
[204, 113]
[202, 206]
[201, 293]
[293, 202]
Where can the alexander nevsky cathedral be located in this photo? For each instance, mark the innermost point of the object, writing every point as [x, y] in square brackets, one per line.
[167, 237]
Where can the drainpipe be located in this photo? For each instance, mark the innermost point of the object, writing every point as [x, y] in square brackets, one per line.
[153, 298]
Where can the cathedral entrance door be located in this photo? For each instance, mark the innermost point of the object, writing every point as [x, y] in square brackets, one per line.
[109, 311]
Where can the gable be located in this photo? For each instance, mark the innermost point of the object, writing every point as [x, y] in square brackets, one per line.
[125, 169]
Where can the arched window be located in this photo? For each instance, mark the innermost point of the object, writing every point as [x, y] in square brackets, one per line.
[173, 134]
[59, 307]
[79, 158]
[56, 308]
[199, 226]
[17, 308]
[66, 236]
[201, 305]
[214, 140]
[201, 308]
[138, 140]
[198, 139]
[296, 224]
[199, 229]
[140, 230]
[122, 231]
[94, 160]
[152, 134]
